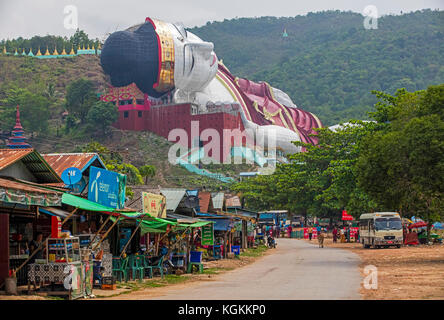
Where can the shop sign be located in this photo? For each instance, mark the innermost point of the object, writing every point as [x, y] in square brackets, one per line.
[207, 238]
[154, 204]
[107, 187]
[346, 216]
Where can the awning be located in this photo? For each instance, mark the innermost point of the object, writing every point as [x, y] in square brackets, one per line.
[161, 226]
[84, 204]
[149, 223]
[148, 226]
[54, 212]
[15, 191]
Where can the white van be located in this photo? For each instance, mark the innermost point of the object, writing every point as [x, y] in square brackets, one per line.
[380, 229]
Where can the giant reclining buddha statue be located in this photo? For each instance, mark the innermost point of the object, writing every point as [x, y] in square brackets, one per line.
[163, 58]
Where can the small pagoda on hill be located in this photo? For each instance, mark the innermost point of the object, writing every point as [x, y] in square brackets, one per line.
[17, 140]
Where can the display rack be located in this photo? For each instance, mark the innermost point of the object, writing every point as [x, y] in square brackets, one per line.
[63, 250]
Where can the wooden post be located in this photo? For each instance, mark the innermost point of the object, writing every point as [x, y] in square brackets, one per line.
[132, 235]
[74, 226]
[157, 243]
[69, 216]
[106, 233]
[100, 229]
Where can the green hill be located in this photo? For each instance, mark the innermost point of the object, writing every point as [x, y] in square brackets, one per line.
[329, 63]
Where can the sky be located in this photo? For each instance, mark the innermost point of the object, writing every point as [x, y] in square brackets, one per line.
[97, 18]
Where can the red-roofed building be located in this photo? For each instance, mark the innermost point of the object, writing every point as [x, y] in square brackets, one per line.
[205, 202]
[82, 161]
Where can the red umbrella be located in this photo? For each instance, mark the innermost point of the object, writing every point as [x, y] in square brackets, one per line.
[419, 224]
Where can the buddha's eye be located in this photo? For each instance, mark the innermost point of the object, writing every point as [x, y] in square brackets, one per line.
[192, 62]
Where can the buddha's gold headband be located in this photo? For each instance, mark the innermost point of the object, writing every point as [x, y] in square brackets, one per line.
[165, 42]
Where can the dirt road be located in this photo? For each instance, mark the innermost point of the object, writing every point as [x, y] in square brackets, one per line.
[296, 270]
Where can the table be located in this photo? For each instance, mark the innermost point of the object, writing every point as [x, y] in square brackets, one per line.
[76, 277]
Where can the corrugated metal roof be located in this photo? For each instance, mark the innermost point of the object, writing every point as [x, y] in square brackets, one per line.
[32, 160]
[10, 156]
[204, 201]
[14, 184]
[182, 219]
[173, 197]
[218, 200]
[61, 161]
[233, 202]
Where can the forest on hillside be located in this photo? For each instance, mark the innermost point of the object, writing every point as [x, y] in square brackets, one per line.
[330, 63]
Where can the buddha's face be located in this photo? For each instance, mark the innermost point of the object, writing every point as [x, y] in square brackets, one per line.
[195, 61]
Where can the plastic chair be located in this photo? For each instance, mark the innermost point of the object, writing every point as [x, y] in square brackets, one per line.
[120, 268]
[146, 266]
[158, 266]
[136, 267]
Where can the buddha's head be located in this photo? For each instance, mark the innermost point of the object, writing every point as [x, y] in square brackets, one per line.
[158, 57]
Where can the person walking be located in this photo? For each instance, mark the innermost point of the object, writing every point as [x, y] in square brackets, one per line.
[348, 234]
[335, 234]
[342, 235]
[321, 238]
[310, 233]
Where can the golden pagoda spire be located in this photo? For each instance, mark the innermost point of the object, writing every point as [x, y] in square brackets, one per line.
[39, 53]
[15, 53]
[55, 53]
[99, 47]
[83, 47]
[63, 52]
[47, 52]
[78, 48]
[93, 48]
[88, 47]
[72, 51]
[4, 49]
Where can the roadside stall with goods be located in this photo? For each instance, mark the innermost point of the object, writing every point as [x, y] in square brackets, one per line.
[23, 227]
[420, 228]
[223, 230]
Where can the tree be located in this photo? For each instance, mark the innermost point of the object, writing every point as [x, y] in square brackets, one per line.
[34, 110]
[320, 181]
[114, 162]
[147, 171]
[79, 38]
[402, 165]
[102, 115]
[80, 96]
